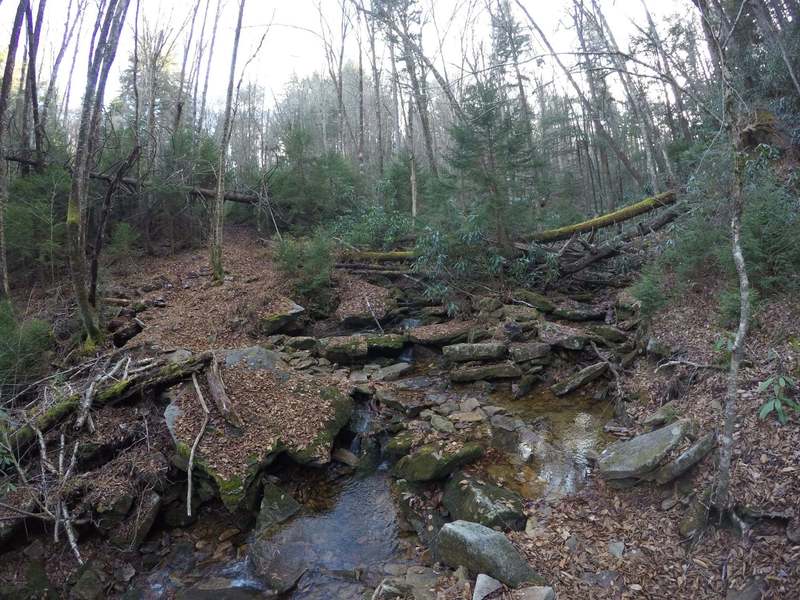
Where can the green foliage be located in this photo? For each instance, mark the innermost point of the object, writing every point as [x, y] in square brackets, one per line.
[308, 263]
[312, 189]
[24, 347]
[649, 291]
[373, 227]
[123, 241]
[779, 389]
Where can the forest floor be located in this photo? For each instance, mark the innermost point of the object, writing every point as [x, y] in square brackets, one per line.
[573, 541]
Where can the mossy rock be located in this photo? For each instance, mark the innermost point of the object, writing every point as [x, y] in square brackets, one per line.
[276, 507]
[279, 320]
[470, 499]
[436, 461]
[318, 452]
[399, 445]
[538, 301]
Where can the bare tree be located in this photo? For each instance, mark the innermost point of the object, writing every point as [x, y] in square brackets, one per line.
[218, 212]
[5, 92]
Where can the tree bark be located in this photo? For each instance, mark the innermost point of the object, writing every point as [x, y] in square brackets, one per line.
[201, 119]
[218, 213]
[69, 31]
[34, 30]
[5, 92]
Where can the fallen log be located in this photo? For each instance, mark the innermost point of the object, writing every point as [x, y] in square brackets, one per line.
[159, 376]
[368, 255]
[132, 182]
[599, 222]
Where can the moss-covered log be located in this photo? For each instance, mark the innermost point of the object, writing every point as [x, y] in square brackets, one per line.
[160, 376]
[606, 220]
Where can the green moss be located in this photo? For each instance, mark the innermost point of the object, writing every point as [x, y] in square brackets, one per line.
[113, 391]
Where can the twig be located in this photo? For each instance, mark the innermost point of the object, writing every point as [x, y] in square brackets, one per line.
[88, 396]
[372, 312]
[674, 363]
[194, 446]
[73, 543]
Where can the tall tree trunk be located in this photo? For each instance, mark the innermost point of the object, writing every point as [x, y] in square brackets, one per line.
[5, 92]
[179, 100]
[34, 29]
[69, 31]
[201, 119]
[100, 62]
[218, 217]
[422, 105]
[769, 31]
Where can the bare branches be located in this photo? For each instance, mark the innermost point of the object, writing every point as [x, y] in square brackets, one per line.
[194, 445]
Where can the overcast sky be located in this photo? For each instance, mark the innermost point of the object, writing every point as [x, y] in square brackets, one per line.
[293, 45]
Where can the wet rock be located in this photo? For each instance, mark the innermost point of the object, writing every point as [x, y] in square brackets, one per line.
[504, 370]
[436, 461]
[666, 413]
[642, 454]
[526, 383]
[345, 457]
[686, 460]
[485, 586]
[470, 499]
[474, 352]
[399, 445]
[408, 402]
[221, 588]
[484, 550]
[132, 532]
[276, 507]
[280, 315]
[419, 513]
[536, 592]
[580, 379]
[562, 336]
[392, 372]
[536, 300]
[530, 351]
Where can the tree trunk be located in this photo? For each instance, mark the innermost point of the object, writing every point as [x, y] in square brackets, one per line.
[179, 100]
[34, 30]
[69, 31]
[218, 216]
[201, 119]
[5, 92]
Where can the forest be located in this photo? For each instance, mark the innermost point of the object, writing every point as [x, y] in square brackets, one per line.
[400, 299]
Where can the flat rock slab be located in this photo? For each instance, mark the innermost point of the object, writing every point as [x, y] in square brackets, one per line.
[523, 352]
[504, 370]
[580, 379]
[562, 336]
[483, 550]
[441, 334]
[277, 315]
[474, 352]
[642, 454]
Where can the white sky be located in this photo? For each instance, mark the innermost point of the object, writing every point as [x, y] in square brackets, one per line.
[290, 49]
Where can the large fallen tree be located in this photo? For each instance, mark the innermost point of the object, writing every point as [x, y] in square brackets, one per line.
[601, 221]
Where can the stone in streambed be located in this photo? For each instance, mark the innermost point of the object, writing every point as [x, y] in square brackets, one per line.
[276, 507]
[686, 460]
[474, 352]
[504, 370]
[484, 550]
[642, 454]
[436, 461]
[580, 379]
[470, 499]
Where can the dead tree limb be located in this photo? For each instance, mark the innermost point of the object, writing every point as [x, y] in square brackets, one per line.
[194, 445]
[216, 387]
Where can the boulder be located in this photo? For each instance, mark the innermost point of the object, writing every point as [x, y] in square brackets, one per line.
[423, 517]
[399, 445]
[562, 336]
[644, 453]
[485, 586]
[484, 550]
[442, 424]
[536, 300]
[441, 334]
[608, 334]
[276, 507]
[685, 460]
[580, 379]
[392, 372]
[301, 342]
[436, 461]
[478, 372]
[132, 532]
[361, 303]
[406, 401]
[355, 348]
[474, 352]
[579, 312]
[530, 351]
[277, 315]
[470, 499]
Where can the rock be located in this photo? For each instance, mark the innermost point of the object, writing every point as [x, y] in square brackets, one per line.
[277, 506]
[442, 424]
[278, 315]
[469, 404]
[754, 590]
[345, 457]
[504, 370]
[436, 461]
[536, 592]
[657, 349]
[132, 532]
[666, 413]
[425, 519]
[90, 584]
[640, 455]
[392, 372]
[111, 511]
[354, 348]
[361, 303]
[441, 334]
[128, 331]
[399, 445]
[300, 342]
[686, 460]
[417, 583]
[474, 352]
[524, 352]
[696, 517]
[408, 402]
[579, 312]
[485, 586]
[526, 317]
[538, 301]
[469, 499]
[488, 304]
[616, 549]
[526, 384]
[562, 336]
[580, 379]
[221, 588]
[484, 550]
[255, 357]
[318, 452]
[608, 334]
[473, 416]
